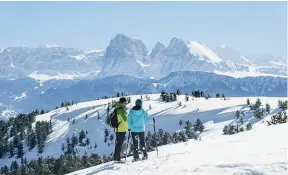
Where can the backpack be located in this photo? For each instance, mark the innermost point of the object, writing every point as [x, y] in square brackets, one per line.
[113, 120]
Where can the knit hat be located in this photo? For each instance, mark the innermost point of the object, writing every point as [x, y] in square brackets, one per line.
[122, 100]
[138, 102]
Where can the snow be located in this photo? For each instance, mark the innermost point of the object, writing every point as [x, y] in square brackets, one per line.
[45, 76]
[253, 152]
[203, 51]
[7, 113]
[240, 74]
[216, 112]
[48, 46]
[23, 95]
[257, 151]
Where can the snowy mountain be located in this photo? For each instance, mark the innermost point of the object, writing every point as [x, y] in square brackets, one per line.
[84, 116]
[16, 62]
[128, 56]
[124, 56]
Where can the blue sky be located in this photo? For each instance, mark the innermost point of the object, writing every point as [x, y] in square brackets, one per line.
[249, 27]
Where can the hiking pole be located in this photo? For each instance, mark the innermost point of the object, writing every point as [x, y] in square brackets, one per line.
[127, 145]
[155, 135]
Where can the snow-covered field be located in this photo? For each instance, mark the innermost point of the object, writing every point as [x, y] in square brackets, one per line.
[261, 150]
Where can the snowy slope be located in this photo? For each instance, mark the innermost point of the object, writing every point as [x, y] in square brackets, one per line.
[167, 116]
[253, 152]
[203, 51]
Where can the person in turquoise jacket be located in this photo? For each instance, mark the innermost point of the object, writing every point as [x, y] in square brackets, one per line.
[137, 118]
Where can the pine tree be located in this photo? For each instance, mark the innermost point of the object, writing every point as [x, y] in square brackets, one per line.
[20, 151]
[106, 132]
[282, 104]
[199, 126]
[63, 147]
[42, 112]
[81, 136]
[11, 149]
[74, 140]
[118, 94]
[182, 136]
[111, 137]
[166, 138]
[95, 145]
[150, 107]
[86, 116]
[226, 130]
[186, 97]
[178, 92]
[175, 137]
[248, 126]
[248, 101]
[98, 115]
[237, 114]
[180, 122]
[62, 105]
[148, 141]
[32, 140]
[258, 103]
[160, 136]
[87, 141]
[267, 108]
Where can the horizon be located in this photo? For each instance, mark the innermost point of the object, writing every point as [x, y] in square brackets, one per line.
[242, 26]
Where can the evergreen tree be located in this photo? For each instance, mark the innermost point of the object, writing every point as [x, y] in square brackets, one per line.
[118, 94]
[258, 103]
[267, 108]
[32, 140]
[62, 105]
[106, 132]
[81, 136]
[226, 130]
[20, 151]
[87, 141]
[180, 122]
[237, 114]
[95, 145]
[186, 97]
[178, 92]
[282, 104]
[160, 136]
[148, 141]
[150, 107]
[175, 137]
[182, 136]
[248, 101]
[42, 112]
[74, 140]
[98, 115]
[63, 147]
[199, 126]
[111, 137]
[231, 129]
[11, 149]
[248, 126]
[166, 138]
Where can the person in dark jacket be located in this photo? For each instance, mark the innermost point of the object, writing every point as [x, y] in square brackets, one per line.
[136, 124]
[122, 128]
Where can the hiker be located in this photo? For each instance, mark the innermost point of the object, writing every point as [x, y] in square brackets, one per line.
[122, 128]
[136, 124]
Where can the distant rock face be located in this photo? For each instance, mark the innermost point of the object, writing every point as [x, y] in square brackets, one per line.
[124, 57]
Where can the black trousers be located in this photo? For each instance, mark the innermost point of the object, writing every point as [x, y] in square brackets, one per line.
[120, 136]
[141, 136]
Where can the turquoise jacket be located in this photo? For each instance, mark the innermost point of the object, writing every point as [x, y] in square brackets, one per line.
[137, 118]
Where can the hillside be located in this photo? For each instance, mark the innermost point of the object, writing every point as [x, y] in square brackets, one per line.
[71, 120]
[253, 152]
